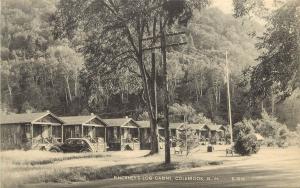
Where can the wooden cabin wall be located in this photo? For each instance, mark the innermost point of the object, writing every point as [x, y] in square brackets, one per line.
[173, 132]
[56, 132]
[72, 131]
[13, 136]
[161, 132]
[113, 138]
[145, 138]
[41, 131]
[100, 132]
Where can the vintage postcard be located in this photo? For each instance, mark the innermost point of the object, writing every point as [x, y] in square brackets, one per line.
[150, 93]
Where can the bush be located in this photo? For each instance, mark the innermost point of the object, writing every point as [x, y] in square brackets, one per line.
[269, 141]
[246, 144]
[282, 136]
[242, 128]
[293, 138]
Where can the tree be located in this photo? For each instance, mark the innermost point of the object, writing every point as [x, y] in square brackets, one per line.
[69, 63]
[278, 70]
[246, 144]
[184, 110]
[121, 26]
[242, 128]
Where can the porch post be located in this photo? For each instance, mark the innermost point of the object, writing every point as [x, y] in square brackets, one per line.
[31, 135]
[139, 137]
[132, 138]
[121, 142]
[81, 130]
[62, 133]
[51, 133]
[105, 144]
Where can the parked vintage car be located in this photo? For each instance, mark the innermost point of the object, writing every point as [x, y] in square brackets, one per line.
[75, 145]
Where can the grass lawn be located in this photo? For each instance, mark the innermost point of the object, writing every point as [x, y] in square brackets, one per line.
[21, 167]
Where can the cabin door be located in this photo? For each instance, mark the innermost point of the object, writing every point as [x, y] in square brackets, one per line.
[46, 131]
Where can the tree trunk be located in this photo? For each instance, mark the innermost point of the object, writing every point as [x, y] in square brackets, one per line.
[273, 104]
[68, 88]
[197, 89]
[75, 84]
[216, 97]
[10, 93]
[201, 87]
[165, 95]
[219, 91]
[122, 97]
[107, 100]
[153, 122]
[146, 83]
[51, 78]
[66, 96]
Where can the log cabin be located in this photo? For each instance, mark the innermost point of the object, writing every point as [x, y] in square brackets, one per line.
[91, 127]
[212, 133]
[174, 129]
[145, 135]
[174, 132]
[122, 134]
[202, 132]
[29, 129]
[195, 127]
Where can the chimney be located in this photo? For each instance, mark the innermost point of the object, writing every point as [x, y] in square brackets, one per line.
[48, 111]
[126, 117]
[92, 114]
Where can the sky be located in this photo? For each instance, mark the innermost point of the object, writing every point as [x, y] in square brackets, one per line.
[227, 7]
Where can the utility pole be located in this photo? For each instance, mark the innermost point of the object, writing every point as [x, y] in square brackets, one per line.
[186, 139]
[163, 46]
[228, 99]
[165, 94]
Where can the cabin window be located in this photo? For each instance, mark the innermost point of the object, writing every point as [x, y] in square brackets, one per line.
[56, 131]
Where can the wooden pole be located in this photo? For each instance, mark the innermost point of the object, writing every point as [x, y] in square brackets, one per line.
[228, 99]
[165, 94]
[139, 137]
[186, 137]
[51, 132]
[62, 133]
[105, 144]
[31, 135]
[121, 136]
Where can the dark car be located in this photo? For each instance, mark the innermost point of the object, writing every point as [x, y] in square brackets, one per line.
[73, 145]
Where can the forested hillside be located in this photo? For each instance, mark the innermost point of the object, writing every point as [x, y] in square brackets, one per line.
[40, 72]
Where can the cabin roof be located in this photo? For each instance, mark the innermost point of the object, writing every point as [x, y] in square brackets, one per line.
[120, 122]
[78, 120]
[146, 124]
[26, 118]
[175, 125]
[211, 127]
[194, 126]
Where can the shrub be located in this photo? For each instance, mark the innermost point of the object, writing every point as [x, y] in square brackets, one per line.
[242, 128]
[227, 138]
[282, 136]
[269, 141]
[293, 138]
[246, 144]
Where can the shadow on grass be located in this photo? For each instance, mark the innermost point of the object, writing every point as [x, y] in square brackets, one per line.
[49, 161]
[78, 174]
